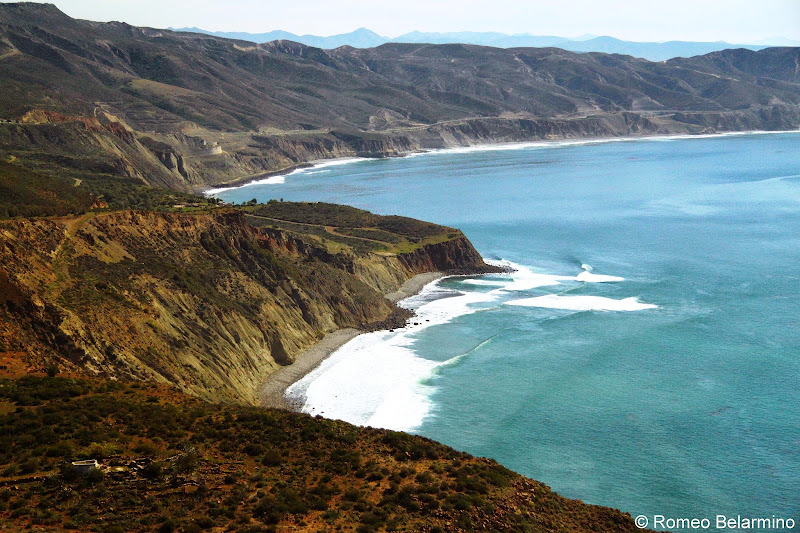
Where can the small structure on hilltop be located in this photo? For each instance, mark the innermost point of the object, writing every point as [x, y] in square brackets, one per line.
[84, 468]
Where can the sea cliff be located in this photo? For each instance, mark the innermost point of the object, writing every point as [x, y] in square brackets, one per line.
[206, 301]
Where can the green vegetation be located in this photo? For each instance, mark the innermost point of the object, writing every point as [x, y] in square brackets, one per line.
[342, 216]
[29, 193]
[171, 463]
[347, 226]
[126, 193]
[25, 193]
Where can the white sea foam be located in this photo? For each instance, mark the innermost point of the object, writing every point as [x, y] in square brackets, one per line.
[588, 277]
[582, 303]
[602, 140]
[323, 163]
[487, 282]
[272, 180]
[524, 279]
[503, 147]
[436, 305]
[314, 168]
[678, 137]
[372, 380]
[377, 379]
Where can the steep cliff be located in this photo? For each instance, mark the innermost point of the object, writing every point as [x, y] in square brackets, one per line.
[206, 301]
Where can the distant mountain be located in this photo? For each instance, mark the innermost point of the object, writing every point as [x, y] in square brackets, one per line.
[499, 40]
[652, 51]
[364, 38]
[360, 38]
[608, 45]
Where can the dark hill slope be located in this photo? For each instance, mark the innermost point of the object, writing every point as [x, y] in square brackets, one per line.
[237, 85]
[171, 463]
[182, 110]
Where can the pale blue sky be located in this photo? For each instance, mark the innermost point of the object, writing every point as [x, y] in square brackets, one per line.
[738, 21]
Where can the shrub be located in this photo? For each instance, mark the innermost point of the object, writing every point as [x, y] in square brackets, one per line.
[154, 470]
[168, 526]
[146, 448]
[272, 458]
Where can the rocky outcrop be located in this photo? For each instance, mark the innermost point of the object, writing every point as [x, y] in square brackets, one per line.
[453, 256]
[204, 301]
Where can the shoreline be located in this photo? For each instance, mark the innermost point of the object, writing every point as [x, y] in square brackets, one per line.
[271, 393]
[513, 145]
[414, 285]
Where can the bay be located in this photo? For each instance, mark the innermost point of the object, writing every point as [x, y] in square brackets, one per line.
[669, 387]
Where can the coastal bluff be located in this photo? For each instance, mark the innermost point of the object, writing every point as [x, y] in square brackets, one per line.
[212, 301]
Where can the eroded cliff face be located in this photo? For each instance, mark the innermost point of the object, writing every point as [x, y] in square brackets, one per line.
[105, 144]
[253, 156]
[205, 301]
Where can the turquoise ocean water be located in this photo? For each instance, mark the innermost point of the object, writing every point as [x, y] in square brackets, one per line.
[646, 355]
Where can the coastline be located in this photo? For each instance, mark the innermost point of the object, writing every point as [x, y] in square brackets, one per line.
[490, 146]
[250, 180]
[272, 390]
[265, 177]
[413, 286]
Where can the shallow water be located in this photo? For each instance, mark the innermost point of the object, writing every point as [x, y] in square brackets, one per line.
[645, 355]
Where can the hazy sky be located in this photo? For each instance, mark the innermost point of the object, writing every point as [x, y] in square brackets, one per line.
[738, 21]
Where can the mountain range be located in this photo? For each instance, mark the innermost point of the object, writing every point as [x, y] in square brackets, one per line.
[364, 38]
[188, 111]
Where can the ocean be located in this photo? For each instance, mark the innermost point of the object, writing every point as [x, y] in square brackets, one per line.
[645, 354]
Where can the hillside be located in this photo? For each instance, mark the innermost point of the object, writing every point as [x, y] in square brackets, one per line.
[108, 102]
[212, 301]
[173, 463]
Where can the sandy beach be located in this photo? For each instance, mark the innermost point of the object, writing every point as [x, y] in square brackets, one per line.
[413, 286]
[272, 390]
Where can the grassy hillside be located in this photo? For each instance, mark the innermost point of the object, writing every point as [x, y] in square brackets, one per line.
[338, 227]
[25, 193]
[172, 463]
[33, 193]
